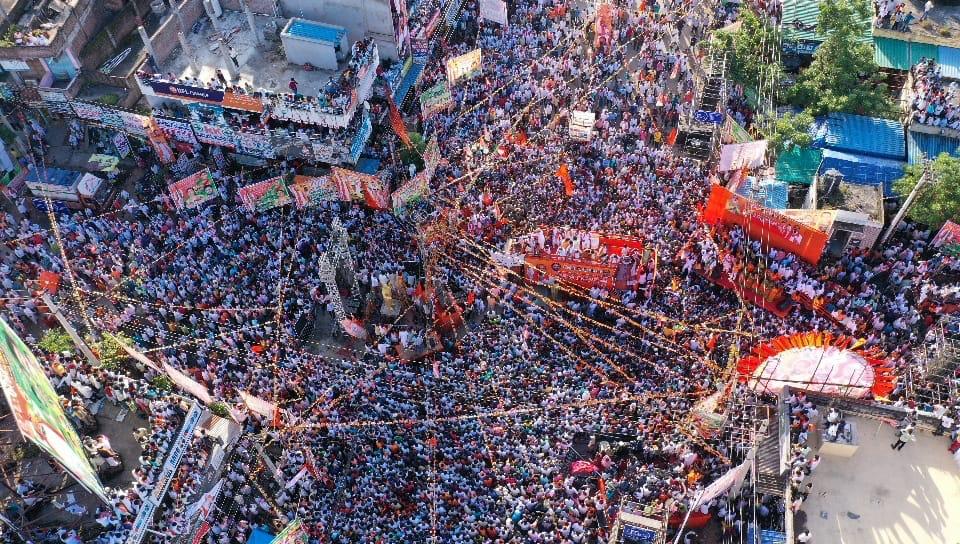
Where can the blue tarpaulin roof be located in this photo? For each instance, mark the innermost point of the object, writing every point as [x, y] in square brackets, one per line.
[871, 136]
[259, 536]
[931, 145]
[368, 165]
[863, 169]
[766, 536]
[949, 62]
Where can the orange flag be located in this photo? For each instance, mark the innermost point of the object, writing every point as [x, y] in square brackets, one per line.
[564, 174]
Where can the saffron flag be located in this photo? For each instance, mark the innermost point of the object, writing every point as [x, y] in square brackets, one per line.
[564, 174]
[396, 121]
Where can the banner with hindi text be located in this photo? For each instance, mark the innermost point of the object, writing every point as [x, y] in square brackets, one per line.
[768, 226]
[494, 10]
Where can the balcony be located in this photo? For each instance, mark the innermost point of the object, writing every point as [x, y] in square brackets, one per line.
[43, 29]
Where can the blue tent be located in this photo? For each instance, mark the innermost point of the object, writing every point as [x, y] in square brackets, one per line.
[260, 536]
[863, 169]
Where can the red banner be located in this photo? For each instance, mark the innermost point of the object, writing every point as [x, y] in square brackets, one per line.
[771, 228]
[585, 274]
[396, 121]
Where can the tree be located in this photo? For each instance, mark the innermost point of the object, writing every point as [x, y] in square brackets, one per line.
[56, 341]
[843, 76]
[788, 131]
[939, 199]
[752, 63]
[109, 350]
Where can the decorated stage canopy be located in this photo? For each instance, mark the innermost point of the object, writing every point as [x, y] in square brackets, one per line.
[819, 362]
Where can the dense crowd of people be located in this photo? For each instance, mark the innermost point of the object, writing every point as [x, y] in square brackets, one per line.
[934, 100]
[534, 416]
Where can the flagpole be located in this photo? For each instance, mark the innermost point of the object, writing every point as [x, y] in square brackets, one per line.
[686, 518]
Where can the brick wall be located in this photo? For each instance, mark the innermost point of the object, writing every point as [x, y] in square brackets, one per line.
[263, 7]
[165, 39]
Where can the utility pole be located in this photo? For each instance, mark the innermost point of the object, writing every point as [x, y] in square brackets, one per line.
[925, 178]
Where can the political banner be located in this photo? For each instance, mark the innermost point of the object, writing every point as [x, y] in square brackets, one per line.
[737, 156]
[291, 534]
[122, 144]
[311, 191]
[410, 192]
[264, 195]
[186, 92]
[947, 238]
[111, 119]
[363, 134]
[581, 125]
[375, 193]
[586, 274]
[768, 226]
[55, 101]
[465, 66]
[349, 183]
[181, 131]
[36, 408]
[202, 508]
[193, 190]
[431, 157]
[434, 99]
[214, 134]
[257, 144]
[494, 10]
[134, 123]
[85, 110]
[733, 133]
[354, 328]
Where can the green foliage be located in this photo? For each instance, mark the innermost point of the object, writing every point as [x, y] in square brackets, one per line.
[843, 76]
[408, 155]
[162, 382]
[789, 131]
[939, 200]
[219, 409]
[56, 341]
[752, 63]
[109, 349]
[109, 99]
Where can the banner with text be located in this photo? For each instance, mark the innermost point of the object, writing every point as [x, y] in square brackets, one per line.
[435, 99]
[736, 156]
[465, 66]
[768, 226]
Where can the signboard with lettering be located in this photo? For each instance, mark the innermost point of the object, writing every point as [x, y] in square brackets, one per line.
[186, 92]
[214, 134]
[85, 110]
[264, 195]
[178, 130]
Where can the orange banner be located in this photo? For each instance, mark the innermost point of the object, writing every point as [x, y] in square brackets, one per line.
[241, 102]
[585, 274]
[771, 228]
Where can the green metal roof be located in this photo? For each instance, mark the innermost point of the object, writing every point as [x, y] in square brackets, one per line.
[900, 54]
[804, 14]
[798, 166]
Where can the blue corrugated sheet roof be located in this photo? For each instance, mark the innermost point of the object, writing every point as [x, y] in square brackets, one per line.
[901, 54]
[949, 62]
[368, 165]
[931, 145]
[863, 169]
[770, 193]
[862, 135]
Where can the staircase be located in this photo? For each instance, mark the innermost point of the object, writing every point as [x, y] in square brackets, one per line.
[697, 138]
[769, 478]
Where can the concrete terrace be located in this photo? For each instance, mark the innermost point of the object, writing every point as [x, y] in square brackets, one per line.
[262, 68]
[880, 496]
